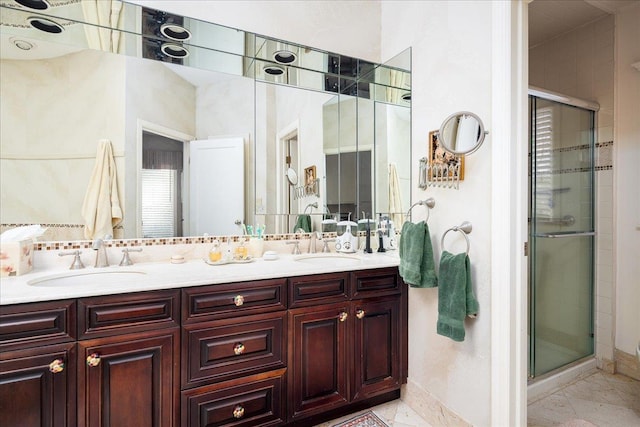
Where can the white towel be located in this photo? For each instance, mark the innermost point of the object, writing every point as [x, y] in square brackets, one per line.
[101, 209]
[395, 198]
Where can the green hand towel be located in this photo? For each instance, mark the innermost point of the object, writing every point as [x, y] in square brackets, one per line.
[303, 222]
[417, 267]
[455, 295]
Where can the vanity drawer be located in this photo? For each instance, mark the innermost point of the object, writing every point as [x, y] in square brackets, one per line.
[37, 324]
[233, 299]
[257, 400]
[321, 288]
[117, 314]
[376, 282]
[223, 349]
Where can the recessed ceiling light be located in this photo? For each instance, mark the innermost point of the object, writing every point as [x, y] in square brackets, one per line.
[274, 70]
[174, 50]
[284, 56]
[44, 24]
[175, 32]
[34, 4]
[22, 44]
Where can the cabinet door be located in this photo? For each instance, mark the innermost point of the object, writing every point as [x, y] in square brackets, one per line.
[376, 346]
[318, 359]
[37, 387]
[129, 381]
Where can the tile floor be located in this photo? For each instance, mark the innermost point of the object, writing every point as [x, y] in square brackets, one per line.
[600, 399]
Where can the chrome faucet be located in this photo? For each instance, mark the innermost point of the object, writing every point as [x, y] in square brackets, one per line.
[315, 235]
[101, 252]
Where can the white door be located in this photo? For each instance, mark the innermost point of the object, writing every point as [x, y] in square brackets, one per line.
[216, 186]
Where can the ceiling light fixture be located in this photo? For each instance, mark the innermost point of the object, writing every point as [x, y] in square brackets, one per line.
[44, 24]
[284, 56]
[34, 4]
[22, 44]
[174, 50]
[175, 32]
[274, 70]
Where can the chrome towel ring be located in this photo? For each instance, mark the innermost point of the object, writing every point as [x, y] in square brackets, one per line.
[429, 203]
[464, 228]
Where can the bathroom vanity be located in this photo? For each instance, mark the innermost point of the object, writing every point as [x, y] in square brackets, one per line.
[291, 350]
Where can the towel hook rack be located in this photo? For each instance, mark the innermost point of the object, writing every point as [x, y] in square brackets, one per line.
[429, 203]
[464, 228]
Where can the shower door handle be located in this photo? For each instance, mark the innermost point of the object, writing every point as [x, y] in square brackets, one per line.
[556, 235]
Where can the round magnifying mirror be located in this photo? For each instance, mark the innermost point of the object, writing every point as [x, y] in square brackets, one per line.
[462, 133]
[292, 176]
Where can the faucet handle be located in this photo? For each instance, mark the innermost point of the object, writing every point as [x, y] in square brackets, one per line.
[296, 247]
[77, 262]
[325, 247]
[126, 260]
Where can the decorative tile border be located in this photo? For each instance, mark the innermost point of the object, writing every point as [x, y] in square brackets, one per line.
[122, 243]
[603, 157]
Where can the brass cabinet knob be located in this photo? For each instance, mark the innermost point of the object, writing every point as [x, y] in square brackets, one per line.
[238, 412]
[238, 349]
[56, 366]
[360, 314]
[93, 359]
[238, 300]
[343, 316]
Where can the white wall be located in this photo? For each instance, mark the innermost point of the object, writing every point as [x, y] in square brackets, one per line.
[627, 177]
[451, 71]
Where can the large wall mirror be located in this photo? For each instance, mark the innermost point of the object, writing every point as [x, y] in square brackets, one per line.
[205, 122]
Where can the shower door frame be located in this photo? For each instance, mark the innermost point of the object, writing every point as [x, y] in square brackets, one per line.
[593, 107]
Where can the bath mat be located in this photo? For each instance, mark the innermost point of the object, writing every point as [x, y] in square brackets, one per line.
[368, 419]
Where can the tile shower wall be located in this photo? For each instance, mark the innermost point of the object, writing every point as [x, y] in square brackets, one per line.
[581, 64]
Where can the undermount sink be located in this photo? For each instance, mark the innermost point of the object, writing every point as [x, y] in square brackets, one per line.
[329, 259]
[74, 278]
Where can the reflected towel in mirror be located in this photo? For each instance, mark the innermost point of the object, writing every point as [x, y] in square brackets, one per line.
[101, 209]
[303, 223]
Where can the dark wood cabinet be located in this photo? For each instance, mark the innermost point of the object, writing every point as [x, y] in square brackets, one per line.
[319, 359]
[377, 344]
[290, 351]
[343, 354]
[129, 381]
[37, 387]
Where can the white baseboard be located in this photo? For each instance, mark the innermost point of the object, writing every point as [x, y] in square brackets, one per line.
[430, 408]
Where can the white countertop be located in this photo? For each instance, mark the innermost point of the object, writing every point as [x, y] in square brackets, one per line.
[164, 275]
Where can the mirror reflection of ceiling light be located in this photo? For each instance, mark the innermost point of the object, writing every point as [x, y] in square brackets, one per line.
[44, 24]
[174, 50]
[284, 56]
[34, 4]
[175, 32]
[274, 70]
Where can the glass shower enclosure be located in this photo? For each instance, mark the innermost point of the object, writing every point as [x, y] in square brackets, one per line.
[561, 234]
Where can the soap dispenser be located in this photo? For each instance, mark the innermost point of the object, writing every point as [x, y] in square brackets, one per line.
[215, 255]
